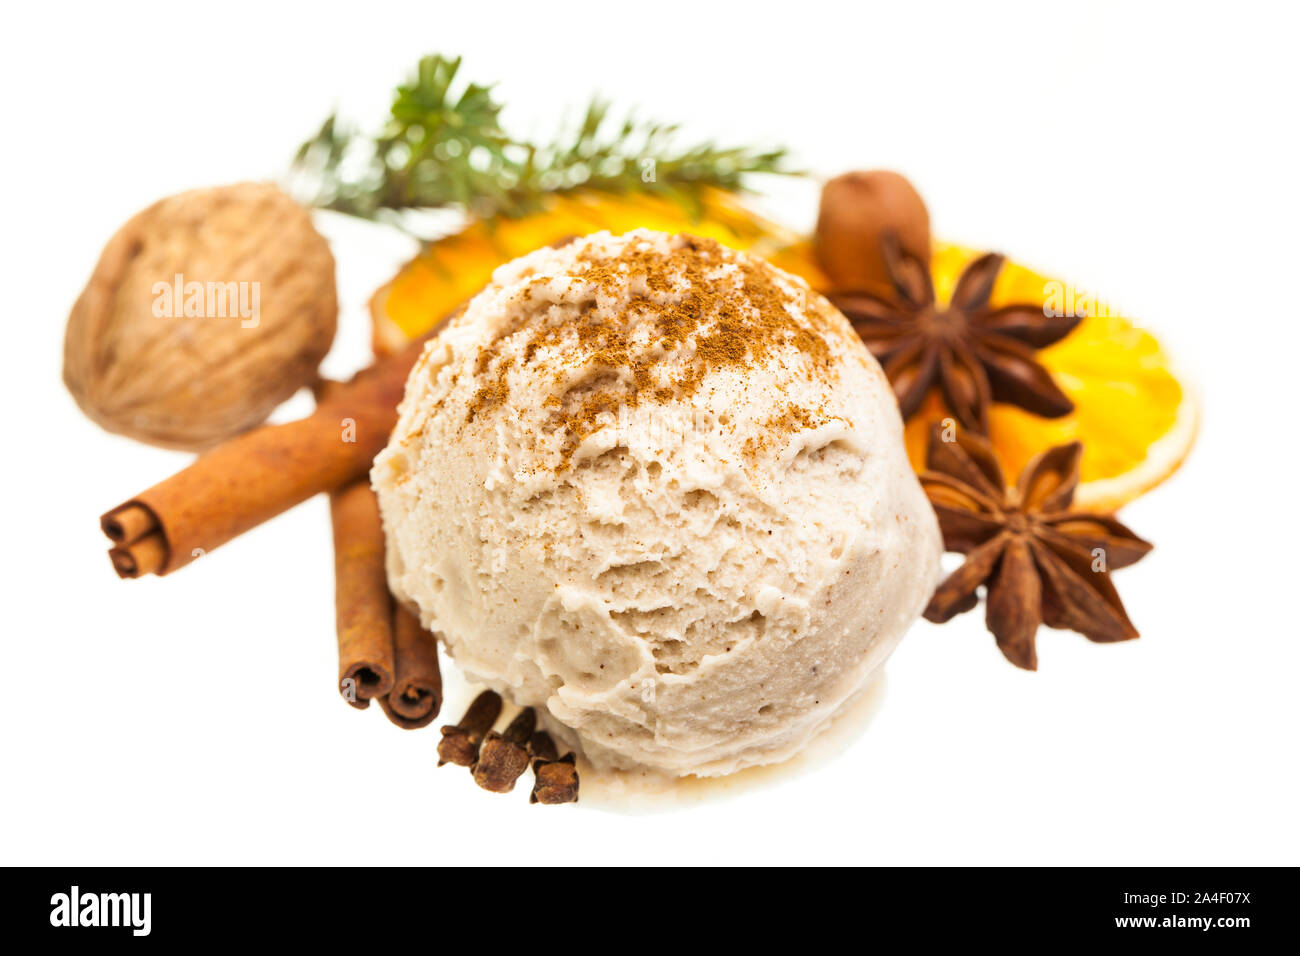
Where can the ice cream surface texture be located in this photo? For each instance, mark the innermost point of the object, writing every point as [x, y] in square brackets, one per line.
[657, 489]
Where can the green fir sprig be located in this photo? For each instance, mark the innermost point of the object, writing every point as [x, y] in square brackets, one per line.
[443, 147]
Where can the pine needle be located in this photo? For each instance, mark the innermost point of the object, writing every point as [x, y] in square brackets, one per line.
[443, 147]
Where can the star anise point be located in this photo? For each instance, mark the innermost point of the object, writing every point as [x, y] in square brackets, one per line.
[1040, 560]
[975, 354]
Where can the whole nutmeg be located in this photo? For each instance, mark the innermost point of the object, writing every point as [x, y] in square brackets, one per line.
[206, 310]
[857, 209]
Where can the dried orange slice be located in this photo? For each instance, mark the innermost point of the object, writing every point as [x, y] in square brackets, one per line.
[1136, 420]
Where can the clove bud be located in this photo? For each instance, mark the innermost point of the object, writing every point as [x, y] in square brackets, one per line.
[555, 779]
[460, 742]
[542, 746]
[504, 756]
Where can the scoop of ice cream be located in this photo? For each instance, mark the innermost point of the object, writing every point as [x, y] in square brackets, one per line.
[657, 489]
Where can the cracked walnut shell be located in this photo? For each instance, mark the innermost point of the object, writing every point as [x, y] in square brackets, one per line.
[205, 311]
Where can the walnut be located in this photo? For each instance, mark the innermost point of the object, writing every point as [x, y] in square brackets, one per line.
[206, 310]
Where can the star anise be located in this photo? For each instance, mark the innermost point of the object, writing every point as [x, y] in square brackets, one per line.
[975, 353]
[1043, 563]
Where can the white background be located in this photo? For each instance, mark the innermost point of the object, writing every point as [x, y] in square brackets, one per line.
[1146, 153]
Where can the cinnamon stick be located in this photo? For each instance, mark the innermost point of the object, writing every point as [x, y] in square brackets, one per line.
[255, 476]
[362, 605]
[416, 696]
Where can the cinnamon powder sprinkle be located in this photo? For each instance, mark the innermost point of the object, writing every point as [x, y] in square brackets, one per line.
[792, 418]
[690, 312]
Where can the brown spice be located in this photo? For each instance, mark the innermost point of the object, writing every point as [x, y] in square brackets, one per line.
[495, 392]
[693, 303]
[555, 778]
[555, 781]
[255, 476]
[363, 606]
[205, 312]
[1041, 561]
[416, 695]
[792, 418]
[971, 352]
[504, 756]
[541, 746]
[460, 742]
[857, 210]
